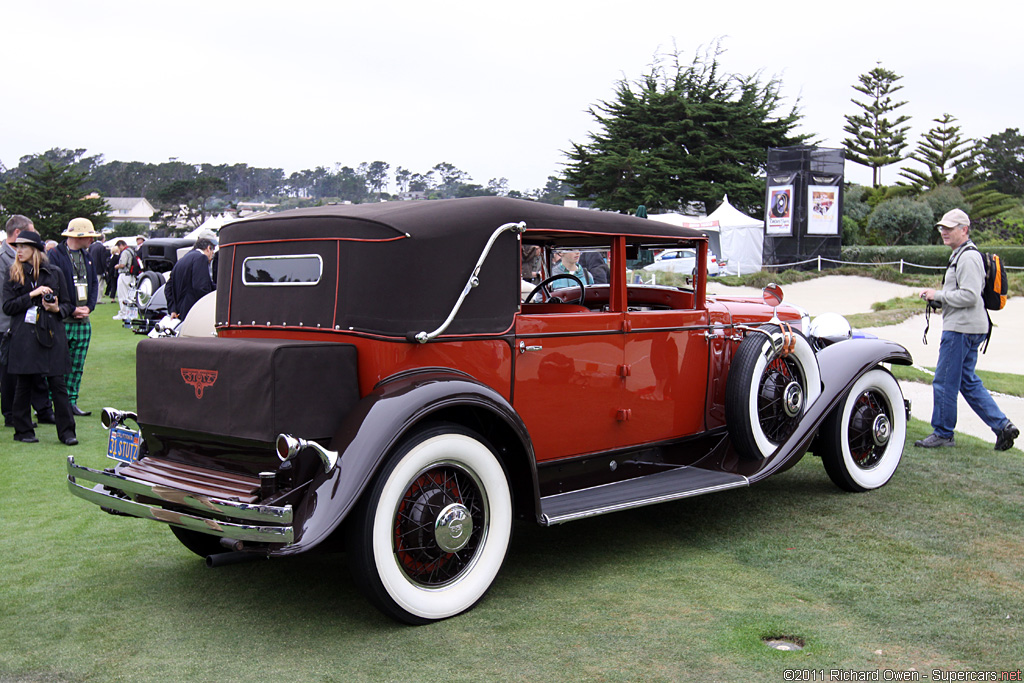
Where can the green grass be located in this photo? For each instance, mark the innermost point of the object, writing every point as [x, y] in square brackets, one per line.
[890, 312]
[925, 573]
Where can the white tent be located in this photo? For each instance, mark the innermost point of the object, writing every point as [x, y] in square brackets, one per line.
[742, 239]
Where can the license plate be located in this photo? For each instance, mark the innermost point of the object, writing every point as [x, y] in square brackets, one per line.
[123, 444]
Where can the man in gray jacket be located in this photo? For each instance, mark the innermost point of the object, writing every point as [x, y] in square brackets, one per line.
[964, 328]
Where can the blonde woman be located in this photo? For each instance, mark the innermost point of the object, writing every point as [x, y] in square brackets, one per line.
[37, 299]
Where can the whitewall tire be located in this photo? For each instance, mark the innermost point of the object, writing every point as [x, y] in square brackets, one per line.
[861, 442]
[434, 529]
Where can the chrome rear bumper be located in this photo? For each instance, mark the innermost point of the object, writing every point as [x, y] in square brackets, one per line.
[270, 524]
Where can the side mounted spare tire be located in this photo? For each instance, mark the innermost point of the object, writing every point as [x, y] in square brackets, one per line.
[767, 393]
[146, 287]
[861, 441]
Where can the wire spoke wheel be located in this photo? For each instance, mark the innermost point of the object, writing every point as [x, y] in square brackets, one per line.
[777, 408]
[870, 426]
[767, 393]
[431, 534]
[439, 524]
[861, 441]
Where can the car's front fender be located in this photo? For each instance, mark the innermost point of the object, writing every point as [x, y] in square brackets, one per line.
[841, 365]
[374, 427]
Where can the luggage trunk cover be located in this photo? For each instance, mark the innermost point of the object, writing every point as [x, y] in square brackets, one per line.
[246, 388]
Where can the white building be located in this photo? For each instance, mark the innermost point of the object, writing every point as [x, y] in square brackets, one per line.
[130, 209]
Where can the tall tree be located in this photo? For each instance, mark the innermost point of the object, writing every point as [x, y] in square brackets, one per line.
[950, 159]
[58, 156]
[943, 153]
[682, 135]
[188, 199]
[376, 174]
[1002, 157]
[876, 140]
[51, 196]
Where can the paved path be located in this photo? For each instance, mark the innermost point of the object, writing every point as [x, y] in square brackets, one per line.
[847, 295]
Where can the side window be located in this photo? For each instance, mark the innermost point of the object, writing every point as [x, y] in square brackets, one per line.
[269, 271]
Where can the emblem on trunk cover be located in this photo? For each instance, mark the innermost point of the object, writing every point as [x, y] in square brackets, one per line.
[200, 379]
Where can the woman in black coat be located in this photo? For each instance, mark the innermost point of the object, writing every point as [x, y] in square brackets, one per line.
[38, 345]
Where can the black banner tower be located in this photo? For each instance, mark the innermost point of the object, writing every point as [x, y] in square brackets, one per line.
[804, 205]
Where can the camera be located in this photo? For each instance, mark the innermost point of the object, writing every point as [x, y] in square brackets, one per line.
[49, 297]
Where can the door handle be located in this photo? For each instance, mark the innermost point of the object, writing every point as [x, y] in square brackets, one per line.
[523, 348]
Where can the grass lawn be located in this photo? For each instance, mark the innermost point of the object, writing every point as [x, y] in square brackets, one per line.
[924, 573]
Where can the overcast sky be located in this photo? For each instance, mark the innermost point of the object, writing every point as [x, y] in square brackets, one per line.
[499, 89]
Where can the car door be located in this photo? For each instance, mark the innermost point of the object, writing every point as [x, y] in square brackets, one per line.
[568, 387]
[666, 368]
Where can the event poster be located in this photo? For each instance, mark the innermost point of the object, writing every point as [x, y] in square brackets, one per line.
[823, 216]
[780, 211]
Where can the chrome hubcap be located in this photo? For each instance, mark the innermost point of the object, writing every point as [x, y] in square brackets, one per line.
[881, 430]
[793, 399]
[453, 528]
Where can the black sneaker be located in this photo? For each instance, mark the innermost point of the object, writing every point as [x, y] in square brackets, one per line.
[1005, 437]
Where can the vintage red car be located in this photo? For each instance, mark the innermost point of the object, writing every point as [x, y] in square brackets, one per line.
[375, 378]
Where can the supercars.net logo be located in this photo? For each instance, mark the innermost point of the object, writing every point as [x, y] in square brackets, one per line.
[199, 379]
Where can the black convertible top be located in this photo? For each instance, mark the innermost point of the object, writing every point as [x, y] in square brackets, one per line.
[396, 268]
[452, 219]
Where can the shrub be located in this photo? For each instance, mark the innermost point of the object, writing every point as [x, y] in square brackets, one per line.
[855, 206]
[902, 221]
[943, 198]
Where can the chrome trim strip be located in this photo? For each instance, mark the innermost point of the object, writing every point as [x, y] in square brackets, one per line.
[474, 280]
[240, 532]
[212, 506]
[549, 521]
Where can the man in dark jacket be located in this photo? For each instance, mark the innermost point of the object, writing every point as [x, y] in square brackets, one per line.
[72, 257]
[190, 278]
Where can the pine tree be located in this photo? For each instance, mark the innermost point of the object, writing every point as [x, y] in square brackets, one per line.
[950, 159]
[682, 135]
[876, 140]
[1002, 156]
[51, 196]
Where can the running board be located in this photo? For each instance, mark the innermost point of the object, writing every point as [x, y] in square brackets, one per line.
[682, 482]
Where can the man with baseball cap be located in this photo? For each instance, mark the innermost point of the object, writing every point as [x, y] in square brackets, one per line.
[72, 257]
[964, 327]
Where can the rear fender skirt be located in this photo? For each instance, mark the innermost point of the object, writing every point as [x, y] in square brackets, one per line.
[374, 427]
[841, 365]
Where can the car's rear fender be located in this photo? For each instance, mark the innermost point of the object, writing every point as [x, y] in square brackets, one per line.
[381, 419]
[840, 365]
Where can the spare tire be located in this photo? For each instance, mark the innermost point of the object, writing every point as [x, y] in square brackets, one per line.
[767, 393]
[146, 287]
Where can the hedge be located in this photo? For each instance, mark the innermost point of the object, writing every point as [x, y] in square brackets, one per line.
[927, 255]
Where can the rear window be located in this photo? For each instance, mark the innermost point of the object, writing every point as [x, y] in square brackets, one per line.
[266, 271]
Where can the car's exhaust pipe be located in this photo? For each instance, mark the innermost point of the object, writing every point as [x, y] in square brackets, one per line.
[224, 559]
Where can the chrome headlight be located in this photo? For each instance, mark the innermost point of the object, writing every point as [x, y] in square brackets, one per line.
[829, 328]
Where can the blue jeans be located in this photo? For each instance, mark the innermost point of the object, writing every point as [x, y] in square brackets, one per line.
[958, 354]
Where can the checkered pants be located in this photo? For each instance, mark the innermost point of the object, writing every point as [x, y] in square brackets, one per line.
[79, 333]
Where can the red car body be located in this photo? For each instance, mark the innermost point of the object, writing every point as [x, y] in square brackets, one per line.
[375, 378]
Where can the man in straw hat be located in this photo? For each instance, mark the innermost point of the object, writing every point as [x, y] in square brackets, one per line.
[964, 327]
[72, 257]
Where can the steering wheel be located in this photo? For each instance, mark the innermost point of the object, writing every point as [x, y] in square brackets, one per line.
[544, 287]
